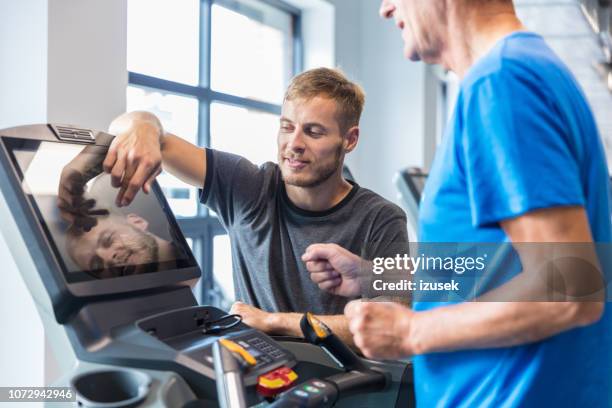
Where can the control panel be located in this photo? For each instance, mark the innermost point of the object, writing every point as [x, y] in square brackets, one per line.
[267, 353]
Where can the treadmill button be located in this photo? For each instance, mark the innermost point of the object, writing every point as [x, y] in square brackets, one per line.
[312, 389]
[319, 384]
[301, 394]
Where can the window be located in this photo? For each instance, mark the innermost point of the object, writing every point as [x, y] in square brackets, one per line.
[214, 72]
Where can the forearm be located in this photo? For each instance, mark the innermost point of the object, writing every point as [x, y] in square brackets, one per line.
[522, 311]
[288, 324]
[477, 325]
[184, 160]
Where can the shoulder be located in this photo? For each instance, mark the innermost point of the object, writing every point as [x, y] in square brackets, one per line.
[377, 205]
[522, 59]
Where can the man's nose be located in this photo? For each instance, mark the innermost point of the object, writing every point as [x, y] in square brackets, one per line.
[108, 255]
[296, 141]
[386, 9]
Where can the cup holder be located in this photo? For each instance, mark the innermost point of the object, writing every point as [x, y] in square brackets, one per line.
[111, 388]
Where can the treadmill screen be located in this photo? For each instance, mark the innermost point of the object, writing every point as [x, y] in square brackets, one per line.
[93, 238]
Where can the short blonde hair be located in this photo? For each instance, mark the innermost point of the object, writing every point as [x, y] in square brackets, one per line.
[333, 84]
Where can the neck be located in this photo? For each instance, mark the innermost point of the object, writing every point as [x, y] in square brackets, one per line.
[473, 31]
[321, 197]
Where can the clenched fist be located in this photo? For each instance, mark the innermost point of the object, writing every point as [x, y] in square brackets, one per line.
[381, 329]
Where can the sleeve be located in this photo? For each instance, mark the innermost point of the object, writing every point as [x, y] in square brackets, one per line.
[234, 186]
[514, 150]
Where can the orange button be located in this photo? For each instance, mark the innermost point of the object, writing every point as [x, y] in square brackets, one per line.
[276, 381]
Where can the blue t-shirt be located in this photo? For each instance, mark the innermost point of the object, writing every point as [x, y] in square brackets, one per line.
[522, 138]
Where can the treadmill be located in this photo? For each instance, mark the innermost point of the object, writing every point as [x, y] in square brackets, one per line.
[410, 183]
[113, 287]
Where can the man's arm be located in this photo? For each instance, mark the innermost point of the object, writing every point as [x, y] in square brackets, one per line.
[391, 330]
[140, 147]
[288, 324]
[487, 324]
[501, 324]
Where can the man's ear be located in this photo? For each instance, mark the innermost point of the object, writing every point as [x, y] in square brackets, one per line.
[137, 221]
[351, 137]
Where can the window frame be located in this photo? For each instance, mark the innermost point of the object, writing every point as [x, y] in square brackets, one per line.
[203, 227]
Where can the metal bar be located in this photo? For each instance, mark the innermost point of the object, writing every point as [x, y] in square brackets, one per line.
[203, 94]
[245, 102]
[205, 42]
[147, 81]
[278, 4]
[298, 44]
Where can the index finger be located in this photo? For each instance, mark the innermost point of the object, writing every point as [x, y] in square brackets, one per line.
[135, 182]
[111, 157]
[318, 266]
[128, 169]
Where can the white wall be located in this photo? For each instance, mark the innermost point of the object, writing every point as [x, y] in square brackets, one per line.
[22, 346]
[23, 67]
[23, 82]
[87, 74]
[61, 61]
[369, 49]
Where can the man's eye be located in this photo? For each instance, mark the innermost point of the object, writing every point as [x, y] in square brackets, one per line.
[107, 239]
[314, 131]
[287, 128]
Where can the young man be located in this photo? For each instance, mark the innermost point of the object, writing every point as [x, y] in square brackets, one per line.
[522, 162]
[274, 212]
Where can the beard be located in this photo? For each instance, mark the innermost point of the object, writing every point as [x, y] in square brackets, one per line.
[142, 244]
[320, 174]
[147, 255]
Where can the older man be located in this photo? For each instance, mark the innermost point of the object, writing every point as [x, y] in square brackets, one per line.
[522, 161]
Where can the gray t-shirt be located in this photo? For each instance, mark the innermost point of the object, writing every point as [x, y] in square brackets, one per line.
[269, 234]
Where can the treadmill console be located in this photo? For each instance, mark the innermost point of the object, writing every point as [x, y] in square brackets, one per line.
[119, 278]
[191, 332]
[93, 246]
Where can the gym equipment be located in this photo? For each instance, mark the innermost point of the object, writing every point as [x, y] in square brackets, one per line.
[410, 183]
[113, 286]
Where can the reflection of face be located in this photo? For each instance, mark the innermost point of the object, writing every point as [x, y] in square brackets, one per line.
[422, 39]
[310, 144]
[116, 245]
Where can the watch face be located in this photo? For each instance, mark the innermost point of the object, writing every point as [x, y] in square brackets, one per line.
[91, 237]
